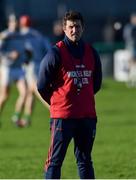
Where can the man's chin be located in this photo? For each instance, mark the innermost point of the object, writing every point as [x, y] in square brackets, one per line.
[75, 39]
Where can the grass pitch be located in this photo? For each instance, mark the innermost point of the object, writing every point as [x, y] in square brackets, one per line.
[23, 151]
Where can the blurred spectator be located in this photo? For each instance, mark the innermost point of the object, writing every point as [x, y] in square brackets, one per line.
[38, 45]
[129, 35]
[57, 31]
[13, 55]
[108, 32]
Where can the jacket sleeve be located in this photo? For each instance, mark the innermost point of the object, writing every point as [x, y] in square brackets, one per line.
[97, 72]
[47, 72]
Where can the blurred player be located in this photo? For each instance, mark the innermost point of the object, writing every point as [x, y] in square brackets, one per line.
[13, 55]
[39, 46]
[129, 35]
[58, 33]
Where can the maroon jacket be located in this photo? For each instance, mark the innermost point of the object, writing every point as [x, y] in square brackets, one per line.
[73, 95]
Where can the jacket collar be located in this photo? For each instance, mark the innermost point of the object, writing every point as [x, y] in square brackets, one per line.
[75, 48]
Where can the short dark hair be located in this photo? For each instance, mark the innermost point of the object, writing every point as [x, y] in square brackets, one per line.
[72, 16]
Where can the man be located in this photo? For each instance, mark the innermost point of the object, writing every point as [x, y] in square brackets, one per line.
[13, 55]
[69, 77]
[39, 46]
[58, 33]
[129, 35]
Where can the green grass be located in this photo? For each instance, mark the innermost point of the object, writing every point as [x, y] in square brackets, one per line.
[23, 151]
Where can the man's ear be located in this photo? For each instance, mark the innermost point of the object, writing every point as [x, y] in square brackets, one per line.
[64, 28]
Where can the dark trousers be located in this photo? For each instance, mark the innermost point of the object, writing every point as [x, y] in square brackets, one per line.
[62, 131]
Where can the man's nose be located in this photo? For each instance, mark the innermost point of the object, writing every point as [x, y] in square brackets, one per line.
[74, 29]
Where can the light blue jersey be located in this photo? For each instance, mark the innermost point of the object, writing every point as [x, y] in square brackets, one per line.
[13, 41]
[12, 69]
[38, 45]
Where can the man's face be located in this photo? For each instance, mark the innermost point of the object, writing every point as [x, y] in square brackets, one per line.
[73, 30]
[12, 25]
